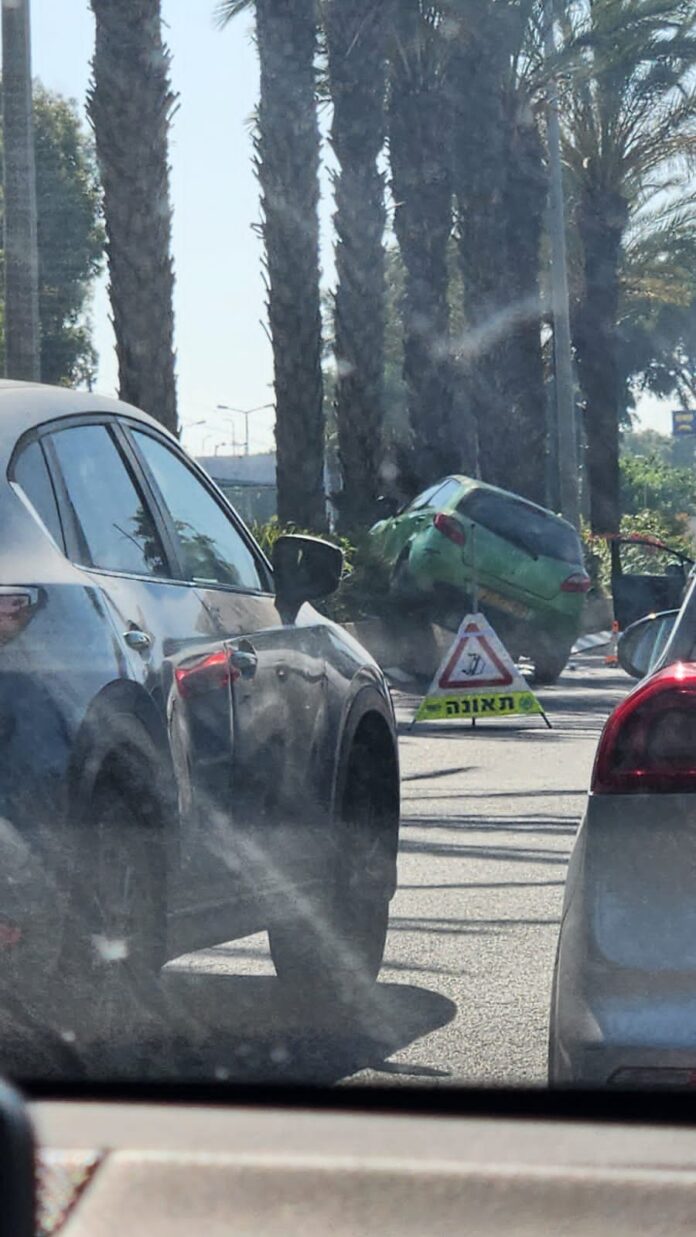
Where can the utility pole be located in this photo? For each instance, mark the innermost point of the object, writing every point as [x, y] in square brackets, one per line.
[22, 341]
[563, 365]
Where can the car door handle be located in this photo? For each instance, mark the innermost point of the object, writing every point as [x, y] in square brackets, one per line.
[138, 640]
[244, 661]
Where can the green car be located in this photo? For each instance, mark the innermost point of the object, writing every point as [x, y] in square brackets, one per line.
[528, 563]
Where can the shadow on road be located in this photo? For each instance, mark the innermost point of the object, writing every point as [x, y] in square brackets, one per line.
[547, 826]
[241, 1029]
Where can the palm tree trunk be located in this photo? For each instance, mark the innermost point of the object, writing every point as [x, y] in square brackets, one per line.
[22, 341]
[130, 106]
[422, 191]
[523, 209]
[476, 76]
[602, 220]
[356, 35]
[287, 163]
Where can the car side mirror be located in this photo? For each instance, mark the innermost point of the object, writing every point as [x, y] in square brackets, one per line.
[305, 568]
[641, 644]
[386, 507]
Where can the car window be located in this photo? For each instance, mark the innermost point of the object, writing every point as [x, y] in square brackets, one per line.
[537, 532]
[446, 493]
[425, 499]
[212, 550]
[113, 522]
[32, 475]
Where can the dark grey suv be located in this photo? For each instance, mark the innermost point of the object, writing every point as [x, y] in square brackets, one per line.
[189, 751]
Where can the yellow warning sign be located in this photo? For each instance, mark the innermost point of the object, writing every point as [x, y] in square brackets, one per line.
[493, 704]
[477, 678]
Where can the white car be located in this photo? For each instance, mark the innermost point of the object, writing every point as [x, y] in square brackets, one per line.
[623, 1009]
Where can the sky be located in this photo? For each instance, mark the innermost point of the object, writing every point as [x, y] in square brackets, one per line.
[223, 351]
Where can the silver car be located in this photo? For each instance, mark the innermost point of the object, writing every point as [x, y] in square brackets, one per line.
[623, 1008]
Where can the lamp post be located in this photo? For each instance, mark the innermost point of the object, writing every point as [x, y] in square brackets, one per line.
[246, 413]
[564, 387]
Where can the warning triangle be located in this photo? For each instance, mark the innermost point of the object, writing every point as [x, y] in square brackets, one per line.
[473, 662]
[477, 678]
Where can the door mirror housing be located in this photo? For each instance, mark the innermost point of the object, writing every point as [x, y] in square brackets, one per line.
[386, 507]
[305, 568]
[643, 642]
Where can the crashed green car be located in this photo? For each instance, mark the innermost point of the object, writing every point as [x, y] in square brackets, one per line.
[527, 562]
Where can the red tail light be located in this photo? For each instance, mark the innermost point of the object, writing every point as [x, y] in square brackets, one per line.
[204, 674]
[577, 583]
[450, 528]
[649, 742]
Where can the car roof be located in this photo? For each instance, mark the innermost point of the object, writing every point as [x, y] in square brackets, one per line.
[26, 405]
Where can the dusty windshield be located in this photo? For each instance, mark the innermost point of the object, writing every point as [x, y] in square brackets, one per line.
[348, 511]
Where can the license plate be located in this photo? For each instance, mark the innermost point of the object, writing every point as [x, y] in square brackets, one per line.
[504, 603]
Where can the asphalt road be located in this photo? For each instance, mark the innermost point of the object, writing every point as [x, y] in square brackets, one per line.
[489, 817]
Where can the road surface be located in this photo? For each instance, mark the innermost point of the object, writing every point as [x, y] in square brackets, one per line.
[488, 821]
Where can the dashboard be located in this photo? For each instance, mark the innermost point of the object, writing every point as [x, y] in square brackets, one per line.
[150, 1169]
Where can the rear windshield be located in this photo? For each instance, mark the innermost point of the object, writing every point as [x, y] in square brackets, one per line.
[523, 525]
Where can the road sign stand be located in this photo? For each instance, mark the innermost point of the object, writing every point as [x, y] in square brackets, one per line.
[477, 679]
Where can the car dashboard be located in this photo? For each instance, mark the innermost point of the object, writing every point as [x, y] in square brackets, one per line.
[147, 1169]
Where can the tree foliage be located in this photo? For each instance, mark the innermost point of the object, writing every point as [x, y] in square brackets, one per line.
[629, 114]
[70, 237]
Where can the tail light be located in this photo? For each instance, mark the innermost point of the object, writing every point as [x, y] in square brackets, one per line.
[649, 742]
[450, 528]
[204, 674]
[577, 583]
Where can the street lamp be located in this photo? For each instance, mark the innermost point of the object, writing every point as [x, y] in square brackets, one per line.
[246, 413]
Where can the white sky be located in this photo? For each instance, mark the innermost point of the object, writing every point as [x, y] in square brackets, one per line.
[223, 352]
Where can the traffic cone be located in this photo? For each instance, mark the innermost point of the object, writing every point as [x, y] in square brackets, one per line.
[612, 658]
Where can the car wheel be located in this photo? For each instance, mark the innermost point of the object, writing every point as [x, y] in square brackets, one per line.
[115, 929]
[330, 943]
[550, 661]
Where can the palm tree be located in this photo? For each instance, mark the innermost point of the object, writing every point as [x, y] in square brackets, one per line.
[357, 34]
[21, 255]
[130, 106]
[629, 122]
[656, 333]
[500, 190]
[419, 139]
[287, 165]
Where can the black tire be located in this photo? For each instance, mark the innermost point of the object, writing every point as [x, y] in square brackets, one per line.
[329, 944]
[115, 931]
[550, 661]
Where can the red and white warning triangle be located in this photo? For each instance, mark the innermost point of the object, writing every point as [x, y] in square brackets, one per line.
[477, 678]
[473, 660]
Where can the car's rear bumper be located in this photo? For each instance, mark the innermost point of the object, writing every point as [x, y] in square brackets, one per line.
[623, 1007]
[599, 1040]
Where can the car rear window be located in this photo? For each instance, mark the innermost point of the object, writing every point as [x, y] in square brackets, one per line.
[518, 522]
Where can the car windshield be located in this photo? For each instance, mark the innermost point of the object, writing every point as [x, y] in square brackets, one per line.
[348, 512]
[536, 532]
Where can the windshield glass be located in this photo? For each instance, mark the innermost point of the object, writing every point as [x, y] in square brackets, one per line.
[347, 430]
